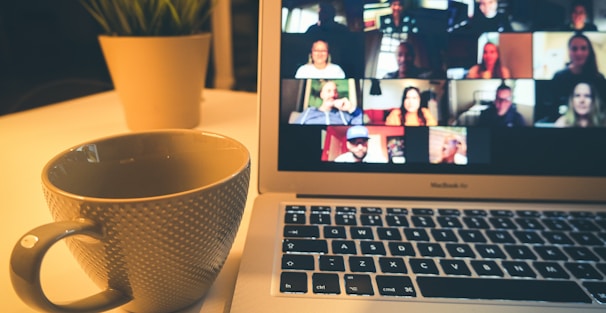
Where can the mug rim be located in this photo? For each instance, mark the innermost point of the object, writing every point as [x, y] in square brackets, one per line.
[49, 185]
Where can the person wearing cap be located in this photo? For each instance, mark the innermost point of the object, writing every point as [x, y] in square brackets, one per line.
[357, 144]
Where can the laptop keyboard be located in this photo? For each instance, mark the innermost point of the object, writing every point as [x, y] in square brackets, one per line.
[421, 253]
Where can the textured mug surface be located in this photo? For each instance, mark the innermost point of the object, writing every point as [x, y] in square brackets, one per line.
[167, 204]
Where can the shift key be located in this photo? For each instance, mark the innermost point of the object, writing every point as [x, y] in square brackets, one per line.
[304, 246]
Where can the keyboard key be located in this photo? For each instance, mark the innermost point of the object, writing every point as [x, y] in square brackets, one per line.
[301, 231]
[528, 213]
[297, 262]
[371, 210]
[550, 253]
[397, 211]
[346, 210]
[529, 237]
[304, 245]
[392, 265]
[472, 236]
[362, 264]
[430, 249]
[400, 286]
[358, 285]
[584, 225]
[346, 219]
[501, 213]
[455, 267]
[519, 269]
[335, 232]
[502, 223]
[344, 247]
[597, 290]
[416, 234]
[490, 251]
[294, 218]
[556, 214]
[476, 222]
[422, 211]
[586, 239]
[460, 250]
[529, 223]
[449, 222]
[325, 283]
[550, 270]
[296, 209]
[583, 271]
[518, 252]
[321, 209]
[293, 282]
[422, 221]
[401, 249]
[557, 238]
[389, 234]
[500, 236]
[557, 224]
[501, 289]
[371, 220]
[332, 263]
[449, 212]
[475, 212]
[361, 233]
[486, 268]
[396, 220]
[444, 235]
[423, 266]
[580, 254]
[372, 248]
[320, 219]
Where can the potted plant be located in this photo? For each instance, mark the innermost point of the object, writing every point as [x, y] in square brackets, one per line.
[157, 56]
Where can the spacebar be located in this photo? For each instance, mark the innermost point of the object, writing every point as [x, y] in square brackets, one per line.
[501, 289]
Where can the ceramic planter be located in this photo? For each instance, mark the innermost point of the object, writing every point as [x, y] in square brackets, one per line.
[159, 79]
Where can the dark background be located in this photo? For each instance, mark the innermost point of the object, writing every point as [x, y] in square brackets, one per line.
[49, 52]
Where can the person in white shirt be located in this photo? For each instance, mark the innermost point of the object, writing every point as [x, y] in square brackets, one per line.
[319, 65]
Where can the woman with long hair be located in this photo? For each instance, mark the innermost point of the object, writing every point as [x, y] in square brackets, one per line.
[411, 113]
[491, 66]
[583, 108]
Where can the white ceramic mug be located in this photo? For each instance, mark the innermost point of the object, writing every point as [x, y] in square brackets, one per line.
[150, 217]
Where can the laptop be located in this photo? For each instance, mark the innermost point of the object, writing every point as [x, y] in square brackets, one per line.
[427, 185]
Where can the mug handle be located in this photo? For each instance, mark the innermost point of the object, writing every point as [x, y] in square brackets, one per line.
[26, 260]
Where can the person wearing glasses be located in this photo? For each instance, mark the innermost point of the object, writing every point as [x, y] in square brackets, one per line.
[357, 146]
[503, 113]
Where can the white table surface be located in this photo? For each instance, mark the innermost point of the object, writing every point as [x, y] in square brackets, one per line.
[29, 139]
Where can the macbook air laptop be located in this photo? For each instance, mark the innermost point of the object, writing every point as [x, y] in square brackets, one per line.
[428, 156]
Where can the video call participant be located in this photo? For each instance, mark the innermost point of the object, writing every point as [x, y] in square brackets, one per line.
[503, 113]
[405, 58]
[410, 112]
[357, 144]
[583, 66]
[488, 19]
[326, 20]
[583, 108]
[333, 110]
[453, 150]
[394, 22]
[578, 18]
[319, 65]
[491, 66]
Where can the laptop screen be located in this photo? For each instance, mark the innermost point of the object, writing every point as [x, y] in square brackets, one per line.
[443, 87]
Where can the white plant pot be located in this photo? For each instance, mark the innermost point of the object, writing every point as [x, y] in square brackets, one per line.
[159, 79]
